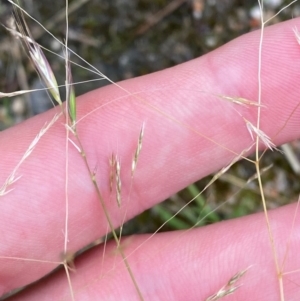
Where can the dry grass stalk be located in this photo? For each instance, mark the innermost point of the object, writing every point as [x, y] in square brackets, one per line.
[229, 288]
[226, 168]
[215, 178]
[138, 150]
[73, 143]
[12, 178]
[11, 94]
[66, 266]
[262, 171]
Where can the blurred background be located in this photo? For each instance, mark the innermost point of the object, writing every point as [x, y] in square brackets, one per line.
[129, 38]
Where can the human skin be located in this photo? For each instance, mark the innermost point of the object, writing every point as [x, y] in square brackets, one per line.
[176, 151]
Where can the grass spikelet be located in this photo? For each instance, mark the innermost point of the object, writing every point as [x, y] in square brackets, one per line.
[118, 181]
[12, 178]
[71, 98]
[240, 101]
[223, 292]
[112, 163]
[229, 288]
[37, 56]
[260, 134]
[44, 70]
[138, 150]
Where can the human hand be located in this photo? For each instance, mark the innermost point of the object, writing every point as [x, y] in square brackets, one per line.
[188, 265]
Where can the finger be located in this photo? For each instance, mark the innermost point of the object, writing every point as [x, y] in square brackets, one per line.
[189, 265]
[188, 134]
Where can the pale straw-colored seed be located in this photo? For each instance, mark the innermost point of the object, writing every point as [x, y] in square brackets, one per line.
[112, 163]
[240, 101]
[138, 150]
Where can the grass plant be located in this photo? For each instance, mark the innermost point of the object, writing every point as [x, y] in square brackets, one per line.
[108, 171]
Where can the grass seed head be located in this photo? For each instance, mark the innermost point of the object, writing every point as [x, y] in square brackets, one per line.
[240, 101]
[229, 287]
[138, 150]
[18, 29]
[118, 180]
[112, 163]
[261, 135]
[44, 70]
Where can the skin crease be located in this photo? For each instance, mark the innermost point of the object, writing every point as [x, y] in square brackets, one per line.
[170, 266]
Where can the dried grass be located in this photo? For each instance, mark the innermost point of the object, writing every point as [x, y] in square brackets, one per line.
[114, 179]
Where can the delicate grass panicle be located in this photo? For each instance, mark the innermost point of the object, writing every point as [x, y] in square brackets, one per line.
[117, 178]
[229, 288]
[13, 177]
